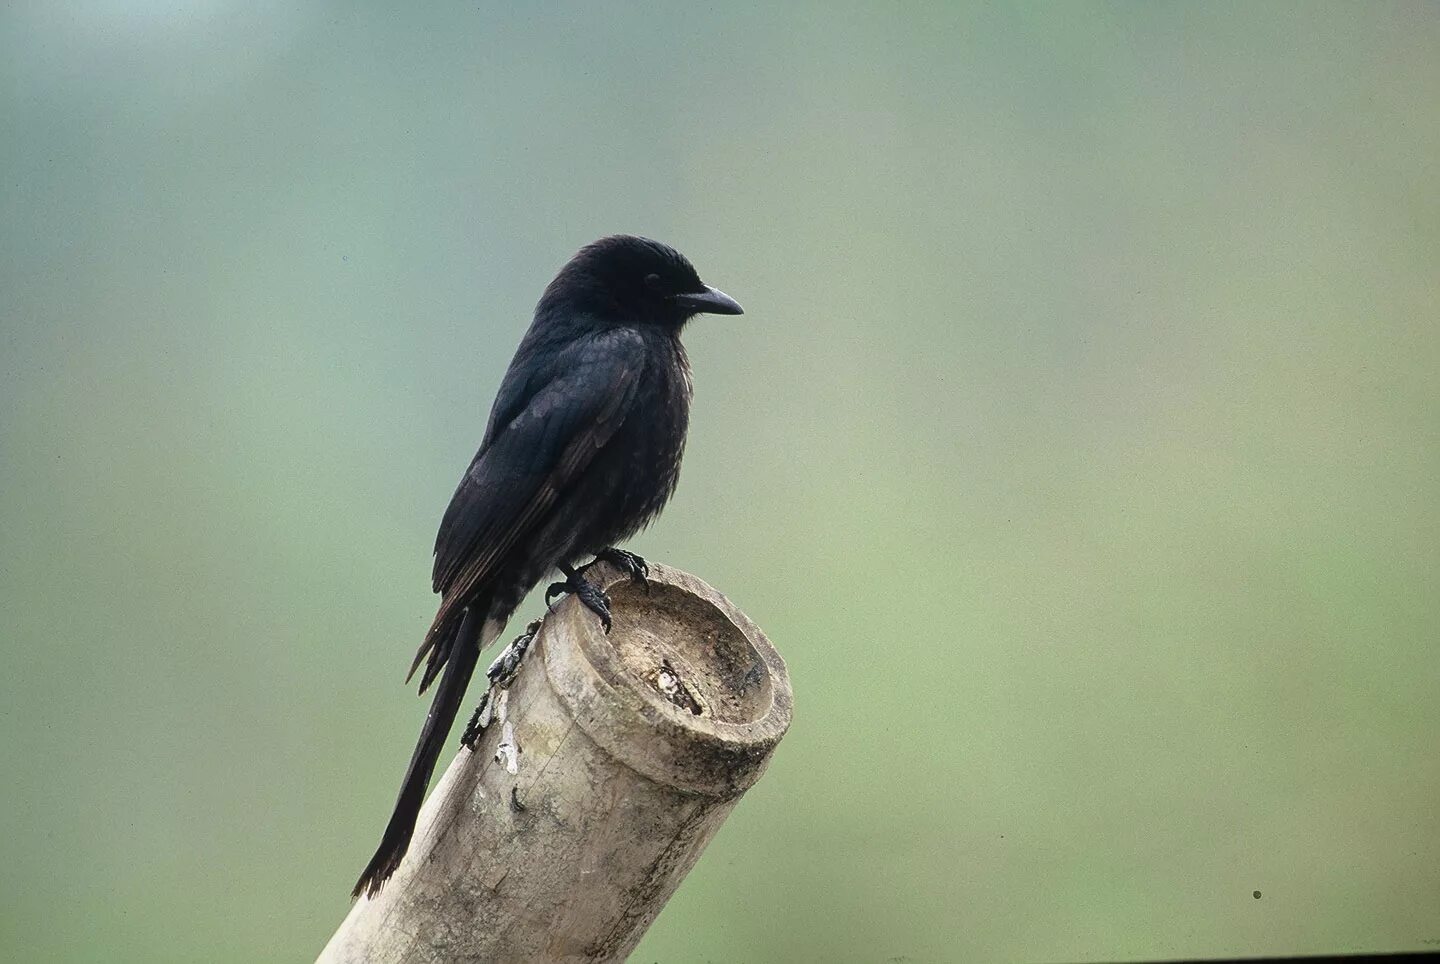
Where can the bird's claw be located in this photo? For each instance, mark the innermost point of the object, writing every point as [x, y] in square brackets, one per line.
[629, 563]
[584, 590]
[555, 589]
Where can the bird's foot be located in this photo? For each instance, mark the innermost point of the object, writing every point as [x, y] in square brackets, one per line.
[627, 562]
[501, 674]
[584, 590]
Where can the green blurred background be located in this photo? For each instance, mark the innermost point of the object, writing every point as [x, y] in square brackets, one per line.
[1078, 450]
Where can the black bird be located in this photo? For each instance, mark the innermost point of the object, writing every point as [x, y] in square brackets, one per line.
[582, 450]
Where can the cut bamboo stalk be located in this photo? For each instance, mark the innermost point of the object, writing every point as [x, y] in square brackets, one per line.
[608, 765]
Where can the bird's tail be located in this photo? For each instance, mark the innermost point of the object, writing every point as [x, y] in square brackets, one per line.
[464, 652]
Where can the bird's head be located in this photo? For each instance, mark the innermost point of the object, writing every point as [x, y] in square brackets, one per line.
[635, 280]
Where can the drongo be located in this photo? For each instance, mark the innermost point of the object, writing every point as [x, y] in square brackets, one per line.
[582, 450]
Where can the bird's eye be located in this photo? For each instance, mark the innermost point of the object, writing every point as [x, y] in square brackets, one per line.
[652, 281]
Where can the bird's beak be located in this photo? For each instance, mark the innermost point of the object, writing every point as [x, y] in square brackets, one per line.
[709, 302]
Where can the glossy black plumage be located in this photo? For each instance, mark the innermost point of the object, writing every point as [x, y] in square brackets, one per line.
[582, 449]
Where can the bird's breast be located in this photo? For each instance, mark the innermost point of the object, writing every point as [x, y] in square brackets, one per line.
[640, 466]
[658, 425]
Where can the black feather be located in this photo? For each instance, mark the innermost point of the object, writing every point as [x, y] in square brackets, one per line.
[582, 449]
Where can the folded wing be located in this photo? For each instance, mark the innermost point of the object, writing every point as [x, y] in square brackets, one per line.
[515, 480]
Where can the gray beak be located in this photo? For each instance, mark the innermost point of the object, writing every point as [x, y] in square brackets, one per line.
[711, 301]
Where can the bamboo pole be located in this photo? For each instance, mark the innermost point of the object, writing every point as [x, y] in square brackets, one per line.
[607, 766]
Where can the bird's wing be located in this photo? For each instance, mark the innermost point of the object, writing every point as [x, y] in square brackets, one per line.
[515, 479]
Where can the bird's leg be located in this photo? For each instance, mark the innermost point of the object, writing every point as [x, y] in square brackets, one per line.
[627, 562]
[584, 590]
[501, 674]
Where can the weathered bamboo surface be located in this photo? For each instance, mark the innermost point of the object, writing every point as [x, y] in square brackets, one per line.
[609, 763]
